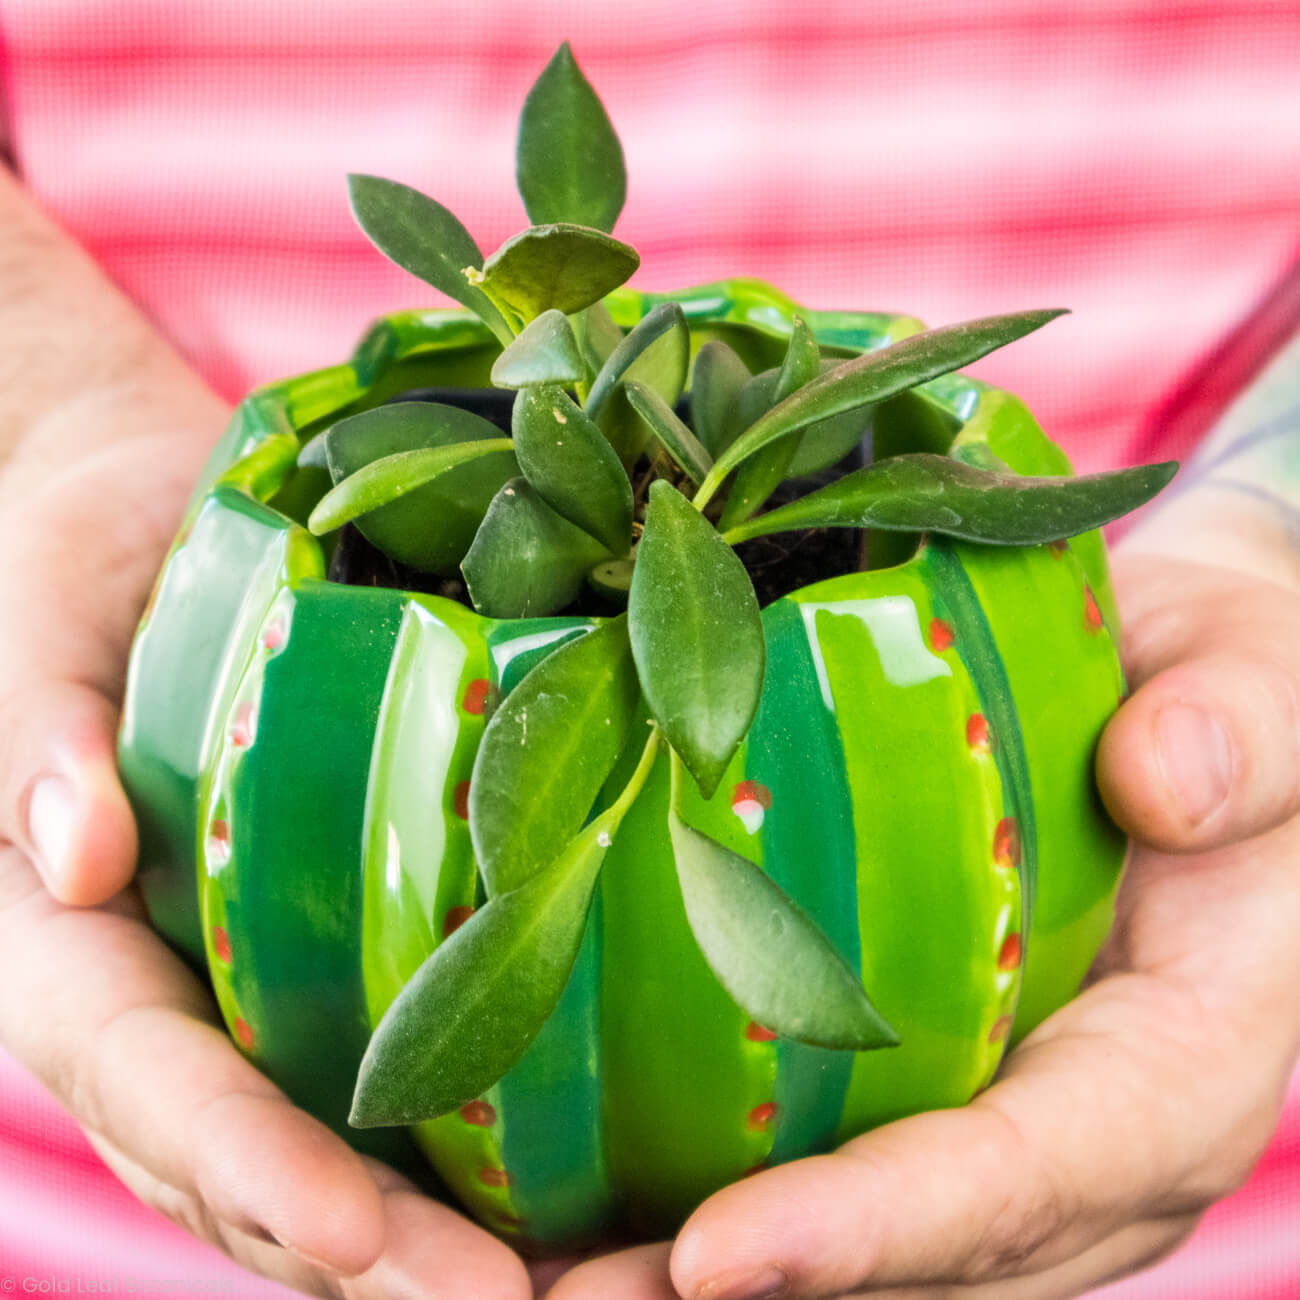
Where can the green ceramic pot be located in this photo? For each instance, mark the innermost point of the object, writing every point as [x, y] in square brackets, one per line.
[918, 777]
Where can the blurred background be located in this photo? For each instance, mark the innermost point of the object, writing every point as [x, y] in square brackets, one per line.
[1137, 162]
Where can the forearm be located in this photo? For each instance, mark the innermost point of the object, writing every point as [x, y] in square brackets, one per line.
[80, 366]
[1237, 502]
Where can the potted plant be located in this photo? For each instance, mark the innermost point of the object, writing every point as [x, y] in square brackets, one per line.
[548, 734]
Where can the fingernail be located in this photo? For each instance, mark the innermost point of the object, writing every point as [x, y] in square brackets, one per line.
[1196, 757]
[763, 1285]
[51, 821]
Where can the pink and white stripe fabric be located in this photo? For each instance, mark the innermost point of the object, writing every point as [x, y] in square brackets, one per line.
[1137, 161]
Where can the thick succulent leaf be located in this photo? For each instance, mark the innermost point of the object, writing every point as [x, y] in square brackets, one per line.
[927, 493]
[547, 753]
[656, 353]
[384, 481]
[767, 952]
[526, 561]
[566, 457]
[874, 376]
[679, 442]
[759, 476]
[598, 335]
[422, 237]
[429, 528]
[568, 161]
[471, 1010]
[562, 267]
[696, 634]
[717, 381]
[312, 455]
[545, 352]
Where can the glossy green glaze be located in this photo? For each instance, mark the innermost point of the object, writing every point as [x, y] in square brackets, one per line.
[918, 778]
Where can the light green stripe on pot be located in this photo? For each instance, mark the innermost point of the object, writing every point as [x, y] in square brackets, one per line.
[551, 1101]
[195, 640]
[799, 799]
[924, 809]
[1035, 597]
[679, 1071]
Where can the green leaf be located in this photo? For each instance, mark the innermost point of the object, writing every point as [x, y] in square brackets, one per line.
[527, 561]
[430, 527]
[547, 753]
[927, 493]
[598, 335]
[471, 1010]
[679, 442]
[422, 237]
[564, 455]
[717, 381]
[872, 377]
[562, 267]
[759, 476]
[383, 481]
[545, 352]
[655, 353]
[696, 634]
[568, 161]
[766, 951]
[312, 455]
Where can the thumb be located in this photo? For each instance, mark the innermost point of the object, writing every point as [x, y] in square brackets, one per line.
[1206, 753]
[60, 798]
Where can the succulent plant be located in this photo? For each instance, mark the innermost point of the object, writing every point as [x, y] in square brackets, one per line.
[619, 493]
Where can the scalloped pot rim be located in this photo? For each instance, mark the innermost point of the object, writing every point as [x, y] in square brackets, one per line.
[286, 741]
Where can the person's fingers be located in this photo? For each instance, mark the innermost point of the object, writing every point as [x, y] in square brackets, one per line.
[114, 1024]
[1111, 1113]
[1206, 752]
[1207, 749]
[60, 799]
[82, 552]
[640, 1273]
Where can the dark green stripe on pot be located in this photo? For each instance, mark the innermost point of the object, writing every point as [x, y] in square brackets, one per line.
[282, 792]
[797, 794]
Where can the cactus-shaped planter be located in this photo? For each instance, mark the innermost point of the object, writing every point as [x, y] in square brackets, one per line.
[299, 753]
[406, 811]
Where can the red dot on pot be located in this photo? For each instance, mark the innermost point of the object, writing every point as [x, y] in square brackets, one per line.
[757, 1034]
[495, 1177]
[479, 1113]
[752, 792]
[1091, 613]
[941, 635]
[244, 1033]
[476, 695]
[1006, 844]
[761, 1116]
[241, 729]
[1001, 1028]
[977, 733]
[273, 634]
[221, 944]
[455, 918]
[460, 800]
[1009, 953]
[219, 842]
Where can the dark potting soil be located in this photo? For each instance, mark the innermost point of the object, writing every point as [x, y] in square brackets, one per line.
[778, 565]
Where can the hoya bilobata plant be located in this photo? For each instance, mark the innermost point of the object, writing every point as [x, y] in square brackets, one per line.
[603, 488]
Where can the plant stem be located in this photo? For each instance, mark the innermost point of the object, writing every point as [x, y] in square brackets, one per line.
[636, 782]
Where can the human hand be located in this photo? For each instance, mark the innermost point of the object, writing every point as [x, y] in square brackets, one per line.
[1124, 1116]
[90, 999]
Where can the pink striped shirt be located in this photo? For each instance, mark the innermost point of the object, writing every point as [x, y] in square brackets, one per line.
[1136, 161]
